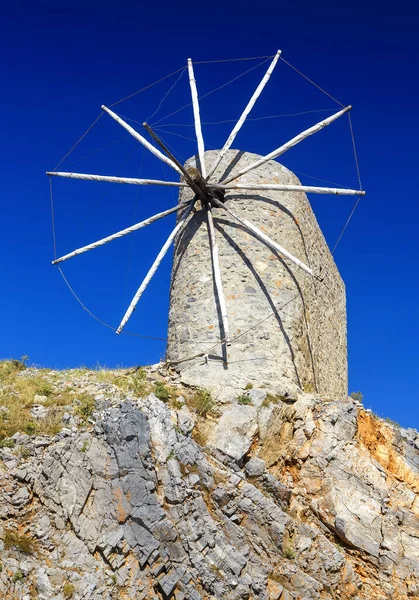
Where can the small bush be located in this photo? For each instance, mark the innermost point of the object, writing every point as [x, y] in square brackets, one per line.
[289, 553]
[31, 427]
[7, 443]
[85, 446]
[86, 406]
[161, 391]
[272, 399]
[68, 590]
[44, 389]
[243, 399]
[357, 396]
[249, 386]
[202, 402]
[18, 541]
[18, 576]
[10, 368]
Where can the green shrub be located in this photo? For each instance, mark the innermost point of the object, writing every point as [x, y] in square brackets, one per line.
[44, 389]
[248, 386]
[31, 427]
[357, 396]
[85, 407]
[161, 391]
[202, 402]
[289, 553]
[243, 399]
[7, 443]
[18, 576]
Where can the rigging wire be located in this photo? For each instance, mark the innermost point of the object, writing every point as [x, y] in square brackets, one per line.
[306, 112]
[146, 87]
[357, 201]
[165, 96]
[211, 92]
[78, 141]
[311, 81]
[205, 62]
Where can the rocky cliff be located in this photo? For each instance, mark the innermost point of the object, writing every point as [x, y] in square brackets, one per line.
[109, 492]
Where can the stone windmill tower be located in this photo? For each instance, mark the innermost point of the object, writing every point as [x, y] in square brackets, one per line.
[255, 296]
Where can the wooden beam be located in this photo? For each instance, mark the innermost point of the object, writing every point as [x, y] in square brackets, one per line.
[245, 113]
[217, 276]
[121, 233]
[262, 236]
[141, 139]
[185, 173]
[290, 188]
[154, 267]
[295, 140]
[197, 118]
[129, 180]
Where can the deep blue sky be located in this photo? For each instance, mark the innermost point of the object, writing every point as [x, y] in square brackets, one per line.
[62, 61]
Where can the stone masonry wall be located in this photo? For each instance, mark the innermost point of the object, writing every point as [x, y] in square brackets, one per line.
[302, 339]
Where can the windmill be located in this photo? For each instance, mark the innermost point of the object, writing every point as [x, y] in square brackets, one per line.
[204, 190]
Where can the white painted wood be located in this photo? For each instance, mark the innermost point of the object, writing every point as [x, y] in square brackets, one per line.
[197, 118]
[154, 267]
[295, 140]
[141, 139]
[245, 113]
[217, 276]
[262, 236]
[121, 233]
[111, 179]
[290, 188]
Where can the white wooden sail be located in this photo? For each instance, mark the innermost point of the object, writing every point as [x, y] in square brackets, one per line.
[262, 236]
[119, 234]
[290, 188]
[245, 113]
[293, 142]
[141, 139]
[111, 179]
[197, 118]
[154, 268]
[217, 275]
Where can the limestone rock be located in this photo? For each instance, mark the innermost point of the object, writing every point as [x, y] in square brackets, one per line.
[138, 505]
[234, 432]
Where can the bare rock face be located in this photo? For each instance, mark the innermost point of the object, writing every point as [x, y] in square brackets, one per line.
[149, 500]
[288, 329]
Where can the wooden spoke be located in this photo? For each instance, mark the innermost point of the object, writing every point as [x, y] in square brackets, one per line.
[245, 113]
[295, 140]
[290, 188]
[197, 118]
[217, 275]
[262, 236]
[129, 180]
[154, 267]
[185, 173]
[121, 233]
[141, 139]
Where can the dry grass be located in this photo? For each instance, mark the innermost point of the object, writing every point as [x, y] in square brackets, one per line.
[13, 540]
[68, 590]
[202, 402]
[199, 436]
[18, 397]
